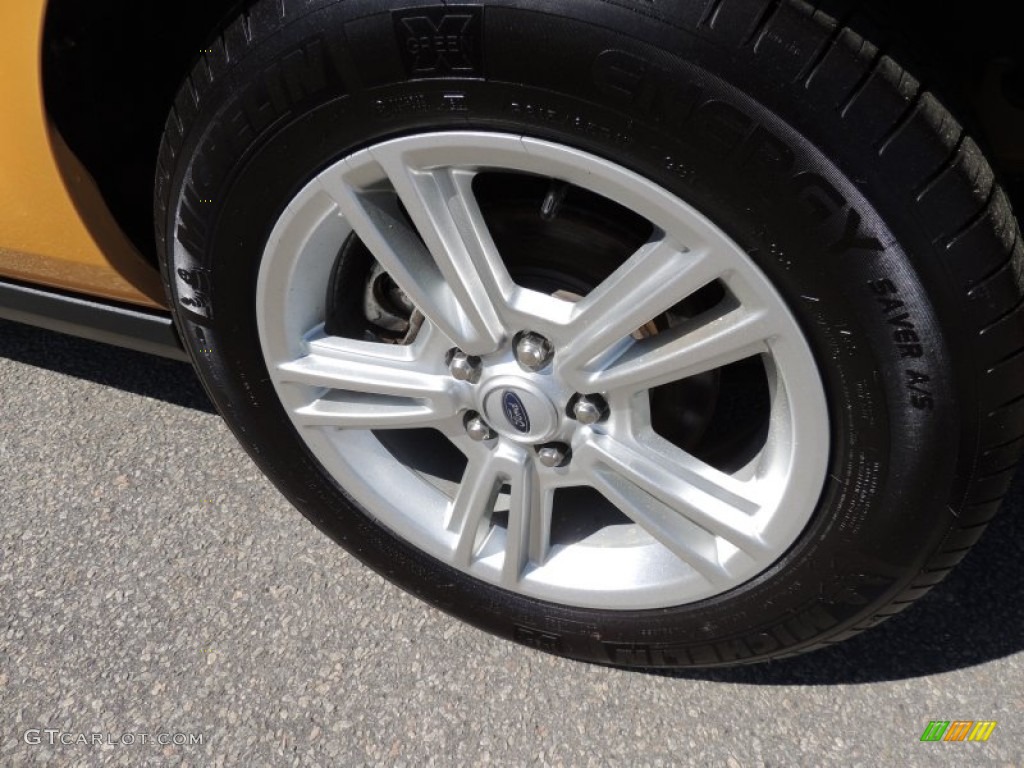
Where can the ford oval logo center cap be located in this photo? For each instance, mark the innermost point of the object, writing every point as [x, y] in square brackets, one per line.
[515, 411]
[518, 409]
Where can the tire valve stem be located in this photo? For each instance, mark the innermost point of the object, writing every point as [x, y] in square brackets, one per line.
[554, 199]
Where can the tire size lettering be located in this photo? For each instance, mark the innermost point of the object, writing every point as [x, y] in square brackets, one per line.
[717, 129]
[544, 641]
[297, 76]
[194, 290]
[420, 103]
[904, 331]
[918, 385]
[574, 122]
[195, 279]
[907, 340]
[799, 628]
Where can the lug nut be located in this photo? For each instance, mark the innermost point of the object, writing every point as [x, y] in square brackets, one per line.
[533, 351]
[553, 454]
[478, 429]
[464, 368]
[590, 409]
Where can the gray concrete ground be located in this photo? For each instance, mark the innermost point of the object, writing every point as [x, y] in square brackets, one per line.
[152, 582]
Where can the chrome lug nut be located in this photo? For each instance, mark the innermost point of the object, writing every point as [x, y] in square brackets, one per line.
[478, 429]
[553, 454]
[590, 409]
[533, 351]
[464, 368]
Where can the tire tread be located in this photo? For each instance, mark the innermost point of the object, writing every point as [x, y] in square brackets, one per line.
[969, 216]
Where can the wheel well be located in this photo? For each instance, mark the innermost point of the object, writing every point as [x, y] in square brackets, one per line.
[111, 69]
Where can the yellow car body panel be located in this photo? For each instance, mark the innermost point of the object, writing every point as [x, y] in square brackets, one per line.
[55, 228]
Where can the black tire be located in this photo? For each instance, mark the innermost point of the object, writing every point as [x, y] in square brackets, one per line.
[851, 187]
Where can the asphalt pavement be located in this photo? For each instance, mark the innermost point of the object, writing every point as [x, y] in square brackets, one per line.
[162, 604]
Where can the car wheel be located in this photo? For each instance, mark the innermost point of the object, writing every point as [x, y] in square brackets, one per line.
[657, 337]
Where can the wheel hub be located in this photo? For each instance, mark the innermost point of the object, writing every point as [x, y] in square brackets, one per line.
[518, 409]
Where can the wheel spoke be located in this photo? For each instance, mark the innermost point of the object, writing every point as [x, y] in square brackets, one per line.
[681, 501]
[370, 386]
[724, 336]
[529, 514]
[473, 503]
[442, 205]
[529, 519]
[656, 277]
[446, 262]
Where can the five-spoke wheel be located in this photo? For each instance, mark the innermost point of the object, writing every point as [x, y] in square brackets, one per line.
[548, 474]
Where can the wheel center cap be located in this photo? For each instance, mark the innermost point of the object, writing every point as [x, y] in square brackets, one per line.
[519, 410]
